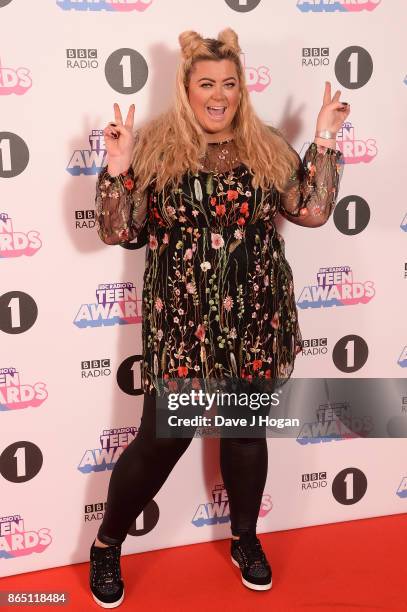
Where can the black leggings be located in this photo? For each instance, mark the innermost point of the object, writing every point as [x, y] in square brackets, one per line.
[146, 463]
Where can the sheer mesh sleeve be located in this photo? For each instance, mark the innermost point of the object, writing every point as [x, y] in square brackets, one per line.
[120, 209]
[310, 194]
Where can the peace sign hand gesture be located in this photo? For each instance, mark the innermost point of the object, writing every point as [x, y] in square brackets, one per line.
[333, 113]
[120, 140]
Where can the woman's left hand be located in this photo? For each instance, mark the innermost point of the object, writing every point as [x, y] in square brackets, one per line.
[333, 113]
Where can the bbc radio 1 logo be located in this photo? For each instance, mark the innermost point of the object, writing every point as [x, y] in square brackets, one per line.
[17, 541]
[313, 480]
[14, 80]
[15, 395]
[112, 444]
[143, 524]
[353, 65]
[95, 368]
[126, 70]
[332, 6]
[117, 304]
[314, 346]
[118, 6]
[14, 243]
[315, 56]
[217, 511]
[334, 422]
[82, 58]
[336, 287]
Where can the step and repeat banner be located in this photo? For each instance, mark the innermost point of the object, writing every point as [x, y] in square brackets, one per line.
[70, 397]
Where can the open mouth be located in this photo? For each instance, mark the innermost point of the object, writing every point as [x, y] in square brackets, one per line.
[216, 111]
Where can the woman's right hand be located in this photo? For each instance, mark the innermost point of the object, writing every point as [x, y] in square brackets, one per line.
[119, 141]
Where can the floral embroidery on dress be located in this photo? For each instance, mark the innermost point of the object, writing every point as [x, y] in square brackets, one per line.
[218, 294]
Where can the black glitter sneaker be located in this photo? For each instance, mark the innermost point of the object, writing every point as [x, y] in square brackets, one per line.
[248, 555]
[105, 577]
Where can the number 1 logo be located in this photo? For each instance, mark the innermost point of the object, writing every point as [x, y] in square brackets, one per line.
[14, 155]
[126, 71]
[18, 312]
[20, 461]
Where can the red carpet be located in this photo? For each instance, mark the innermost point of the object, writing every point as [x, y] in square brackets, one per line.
[357, 565]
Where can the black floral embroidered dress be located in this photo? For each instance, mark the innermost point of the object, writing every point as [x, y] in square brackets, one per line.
[218, 294]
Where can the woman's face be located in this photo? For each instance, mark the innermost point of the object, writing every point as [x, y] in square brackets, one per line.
[214, 93]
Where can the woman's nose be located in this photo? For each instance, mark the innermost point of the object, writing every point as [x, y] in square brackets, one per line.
[218, 94]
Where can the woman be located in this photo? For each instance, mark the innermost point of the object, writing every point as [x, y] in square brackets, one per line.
[202, 183]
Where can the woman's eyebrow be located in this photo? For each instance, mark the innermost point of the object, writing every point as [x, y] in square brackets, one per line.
[213, 80]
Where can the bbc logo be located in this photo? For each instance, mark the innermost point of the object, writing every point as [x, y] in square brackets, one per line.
[81, 53]
[95, 363]
[90, 508]
[314, 342]
[315, 52]
[84, 214]
[313, 476]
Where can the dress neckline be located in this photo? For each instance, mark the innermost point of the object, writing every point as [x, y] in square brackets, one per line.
[224, 172]
[221, 142]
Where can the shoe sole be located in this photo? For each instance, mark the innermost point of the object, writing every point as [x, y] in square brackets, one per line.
[103, 604]
[251, 585]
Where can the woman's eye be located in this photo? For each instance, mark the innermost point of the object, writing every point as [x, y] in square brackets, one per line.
[226, 84]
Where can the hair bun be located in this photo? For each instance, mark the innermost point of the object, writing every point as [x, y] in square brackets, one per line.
[190, 42]
[230, 39]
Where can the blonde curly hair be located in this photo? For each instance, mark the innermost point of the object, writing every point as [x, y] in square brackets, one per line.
[172, 144]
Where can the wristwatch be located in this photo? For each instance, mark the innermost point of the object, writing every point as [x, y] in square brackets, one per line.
[326, 134]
